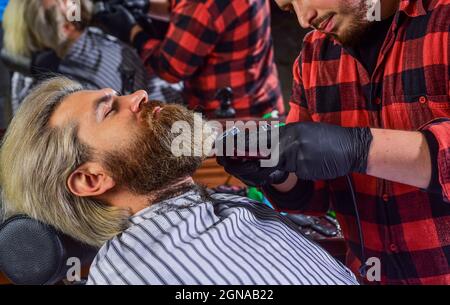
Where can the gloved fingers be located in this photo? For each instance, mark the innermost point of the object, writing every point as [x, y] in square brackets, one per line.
[239, 166]
[277, 177]
[137, 4]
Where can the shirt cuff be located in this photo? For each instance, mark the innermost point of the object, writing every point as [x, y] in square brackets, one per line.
[433, 146]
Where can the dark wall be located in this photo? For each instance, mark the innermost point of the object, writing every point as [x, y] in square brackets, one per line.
[287, 36]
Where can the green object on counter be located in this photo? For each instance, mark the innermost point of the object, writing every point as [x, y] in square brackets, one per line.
[255, 194]
[271, 115]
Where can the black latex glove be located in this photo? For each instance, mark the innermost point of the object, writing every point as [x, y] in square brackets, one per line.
[140, 9]
[118, 22]
[141, 6]
[248, 171]
[313, 151]
[251, 173]
[155, 28]
[316, 151]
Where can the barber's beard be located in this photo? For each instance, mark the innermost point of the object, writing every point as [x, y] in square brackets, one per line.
[358, 24]
[147, 165]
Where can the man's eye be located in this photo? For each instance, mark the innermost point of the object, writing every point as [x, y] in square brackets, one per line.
[110, 112]
[112, 108]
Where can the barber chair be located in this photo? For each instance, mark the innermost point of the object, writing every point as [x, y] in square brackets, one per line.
[16, 63]
[41, 64]
[32, 253]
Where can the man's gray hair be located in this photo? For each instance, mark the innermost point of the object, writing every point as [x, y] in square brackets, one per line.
[36, 160]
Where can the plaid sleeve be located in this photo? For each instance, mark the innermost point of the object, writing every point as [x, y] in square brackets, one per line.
[191, 36]
[440, 128]
[307, 197]
[299, 106]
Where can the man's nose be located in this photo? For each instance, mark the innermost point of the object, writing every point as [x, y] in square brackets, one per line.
[306, 18]
[137, 99]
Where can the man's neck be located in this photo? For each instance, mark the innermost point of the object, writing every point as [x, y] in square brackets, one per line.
[124, 199]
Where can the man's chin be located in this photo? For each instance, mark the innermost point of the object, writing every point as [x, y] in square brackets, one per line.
[349, 38]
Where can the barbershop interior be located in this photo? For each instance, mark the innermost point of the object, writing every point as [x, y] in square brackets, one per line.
[224, 142]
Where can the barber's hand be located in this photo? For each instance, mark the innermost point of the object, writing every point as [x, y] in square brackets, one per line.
[118, 22]
[248, 170]
[315, 151]
[142, 6]
[251, 173]
[140, 9]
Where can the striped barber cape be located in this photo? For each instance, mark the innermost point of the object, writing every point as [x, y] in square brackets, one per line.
[223, 239]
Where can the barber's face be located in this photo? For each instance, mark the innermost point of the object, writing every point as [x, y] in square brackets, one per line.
[345, 20]
[129, 135]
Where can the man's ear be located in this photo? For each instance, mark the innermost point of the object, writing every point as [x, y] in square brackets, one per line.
[89, 180]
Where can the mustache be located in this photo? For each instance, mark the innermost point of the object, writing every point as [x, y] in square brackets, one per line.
[147, 110]
[317, 22]
[162, 121]
[150, 106]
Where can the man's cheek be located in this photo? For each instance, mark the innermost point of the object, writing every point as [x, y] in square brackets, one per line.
[328, 5]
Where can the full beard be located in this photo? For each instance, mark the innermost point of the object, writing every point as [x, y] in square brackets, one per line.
[147, 165]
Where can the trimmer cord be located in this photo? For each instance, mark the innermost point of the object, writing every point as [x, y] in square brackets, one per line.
[363, 268]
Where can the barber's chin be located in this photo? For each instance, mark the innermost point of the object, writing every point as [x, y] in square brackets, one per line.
[345, 39]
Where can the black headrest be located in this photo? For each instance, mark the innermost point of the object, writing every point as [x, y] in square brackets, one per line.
[32, 253]
[16, 63]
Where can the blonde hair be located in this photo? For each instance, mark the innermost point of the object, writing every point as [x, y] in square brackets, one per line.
[36, 161]
[29, 26]
[15, 28]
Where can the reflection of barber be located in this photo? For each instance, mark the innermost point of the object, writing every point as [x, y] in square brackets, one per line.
[4, 78]
[40, 30]
[210, 45]
[387, 125]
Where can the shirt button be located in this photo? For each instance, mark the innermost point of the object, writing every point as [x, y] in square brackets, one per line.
[423, 99]
[377, 101]
[393, 248]
[385, 197]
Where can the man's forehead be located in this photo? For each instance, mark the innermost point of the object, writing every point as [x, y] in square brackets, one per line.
[73, 107]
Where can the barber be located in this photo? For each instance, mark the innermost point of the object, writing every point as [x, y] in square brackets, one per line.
[370, 102]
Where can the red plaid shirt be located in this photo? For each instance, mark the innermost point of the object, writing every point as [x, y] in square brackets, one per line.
[407, 228]
[214, 44]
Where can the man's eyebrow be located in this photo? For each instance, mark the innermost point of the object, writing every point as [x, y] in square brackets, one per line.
[105, 98]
